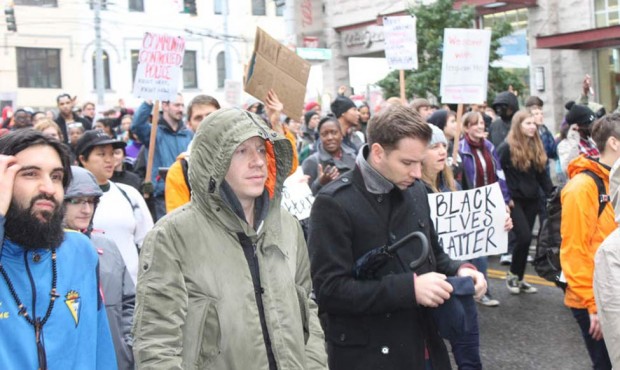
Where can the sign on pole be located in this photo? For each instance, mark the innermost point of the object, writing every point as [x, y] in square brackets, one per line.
[159, 67]
[465, 66]
[470, 223]
[401, 43]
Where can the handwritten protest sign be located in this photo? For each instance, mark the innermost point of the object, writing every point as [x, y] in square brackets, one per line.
[465, 66]
[296, 195]
[159, 67]
[401, 46]
[470, 223]
[274, 66]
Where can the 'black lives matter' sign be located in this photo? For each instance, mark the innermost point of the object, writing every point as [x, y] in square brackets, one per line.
[470, 223]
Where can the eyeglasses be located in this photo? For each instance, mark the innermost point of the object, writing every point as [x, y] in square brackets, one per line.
[82, 202]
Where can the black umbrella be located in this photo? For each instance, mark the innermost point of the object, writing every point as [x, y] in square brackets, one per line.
[368, 264]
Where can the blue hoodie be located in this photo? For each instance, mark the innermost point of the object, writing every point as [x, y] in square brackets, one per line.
[76, 335]
[168, 145]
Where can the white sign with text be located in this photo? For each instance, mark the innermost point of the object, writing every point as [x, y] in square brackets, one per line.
[401, 45]
[465, 66]
[470, 223]
[159, 67]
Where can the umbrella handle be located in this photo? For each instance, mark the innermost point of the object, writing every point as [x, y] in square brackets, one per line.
[425, 248]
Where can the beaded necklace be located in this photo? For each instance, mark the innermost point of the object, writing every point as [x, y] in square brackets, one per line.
[37, 322]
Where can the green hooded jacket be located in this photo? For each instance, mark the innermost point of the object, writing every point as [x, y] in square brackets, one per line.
[196, 305]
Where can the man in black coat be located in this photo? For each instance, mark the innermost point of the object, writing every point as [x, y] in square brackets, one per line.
[383, 322]
[66, 115]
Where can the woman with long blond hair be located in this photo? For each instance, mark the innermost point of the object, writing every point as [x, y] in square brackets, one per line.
[523, 159]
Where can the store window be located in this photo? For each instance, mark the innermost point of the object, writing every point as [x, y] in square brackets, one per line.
[221, 69]
[258, 7]
[38, 68]
[136, 5]
[516, 18]
[190, 75]
[104, 4]
[106, 70]
[606, 13]
[608, 78]
[49, 3]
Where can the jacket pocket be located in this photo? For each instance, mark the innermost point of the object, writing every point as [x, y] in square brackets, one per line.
[345, 331]
[206, 327]
[302, 297]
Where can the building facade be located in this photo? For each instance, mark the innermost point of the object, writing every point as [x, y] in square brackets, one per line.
[53, 49]
[565, 40]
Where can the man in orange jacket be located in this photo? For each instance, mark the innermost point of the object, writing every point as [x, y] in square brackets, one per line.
[583, 230]
[177, 190]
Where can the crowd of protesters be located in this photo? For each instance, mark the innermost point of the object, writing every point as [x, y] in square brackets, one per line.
[202, 260]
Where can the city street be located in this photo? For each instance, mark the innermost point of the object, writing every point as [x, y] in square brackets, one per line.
[529, 331]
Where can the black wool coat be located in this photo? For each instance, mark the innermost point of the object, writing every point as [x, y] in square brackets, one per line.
[374, 324]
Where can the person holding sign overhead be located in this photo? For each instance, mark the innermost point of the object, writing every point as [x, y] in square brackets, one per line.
[523, 158]
[173, 137]
[481, 167]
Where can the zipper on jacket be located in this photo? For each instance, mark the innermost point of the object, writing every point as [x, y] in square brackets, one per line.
[249, 250]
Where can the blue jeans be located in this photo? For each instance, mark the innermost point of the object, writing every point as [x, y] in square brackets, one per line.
[596, 348]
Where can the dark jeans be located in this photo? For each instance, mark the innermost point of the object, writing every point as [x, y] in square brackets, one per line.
[596, 348]
[523, 216]
[466, 349]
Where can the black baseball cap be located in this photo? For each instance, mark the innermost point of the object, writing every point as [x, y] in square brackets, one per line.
[96, 138]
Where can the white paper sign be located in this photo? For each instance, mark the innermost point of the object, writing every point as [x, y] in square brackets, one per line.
[159, 67]
[401, 43]
[470, 223]
[297, 197]
[465, 66]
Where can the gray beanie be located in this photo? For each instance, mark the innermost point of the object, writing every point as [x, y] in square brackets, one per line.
[438, 136]
[83, 184]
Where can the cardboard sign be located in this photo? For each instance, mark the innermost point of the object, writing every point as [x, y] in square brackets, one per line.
[159, 67]
[401, 45]
[465, 66]
[470, 223]
[274, 66]
[297, 197]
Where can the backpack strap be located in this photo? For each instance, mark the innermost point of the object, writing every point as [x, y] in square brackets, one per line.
[603, 197]
[185, 168]
[133, 206]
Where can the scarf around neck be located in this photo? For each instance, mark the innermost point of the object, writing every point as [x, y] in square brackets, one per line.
[488, 159]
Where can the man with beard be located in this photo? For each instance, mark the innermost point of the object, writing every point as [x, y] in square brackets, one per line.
[173, 137]
[51, 312]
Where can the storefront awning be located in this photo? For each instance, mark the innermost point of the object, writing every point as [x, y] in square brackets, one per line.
[581, 40]
[484, 7]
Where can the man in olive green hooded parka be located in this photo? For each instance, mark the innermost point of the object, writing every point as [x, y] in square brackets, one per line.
[224, 281]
